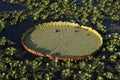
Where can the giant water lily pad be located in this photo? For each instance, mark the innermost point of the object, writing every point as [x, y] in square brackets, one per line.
[62, 40]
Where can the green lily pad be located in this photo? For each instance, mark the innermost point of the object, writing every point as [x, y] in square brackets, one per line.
[62, 40]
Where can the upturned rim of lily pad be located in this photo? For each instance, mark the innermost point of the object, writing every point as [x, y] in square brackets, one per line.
[39, 53]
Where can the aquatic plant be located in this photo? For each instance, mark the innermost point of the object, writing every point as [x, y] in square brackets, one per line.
[88, 12]
[57, 46]
[2, 25]
[4, 41]
[113, 41]
[10, 51]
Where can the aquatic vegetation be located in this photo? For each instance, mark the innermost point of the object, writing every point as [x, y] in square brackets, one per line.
[113, 41]
[92, 13]
[4, 41]
[2, 25]
[10, 51]
[59, 45]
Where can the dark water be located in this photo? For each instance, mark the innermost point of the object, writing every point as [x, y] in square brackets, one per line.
[14, 33]
[112, 26]
[9, 7]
